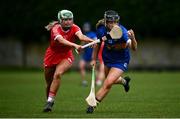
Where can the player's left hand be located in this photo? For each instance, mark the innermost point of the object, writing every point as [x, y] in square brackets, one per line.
[131, 34]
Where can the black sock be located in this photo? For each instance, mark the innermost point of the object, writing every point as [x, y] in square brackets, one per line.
[98, 101]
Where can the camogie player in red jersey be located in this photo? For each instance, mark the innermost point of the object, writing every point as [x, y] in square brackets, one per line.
[59, 57]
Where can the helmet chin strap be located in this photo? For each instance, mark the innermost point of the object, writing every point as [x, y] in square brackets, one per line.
[65, 27]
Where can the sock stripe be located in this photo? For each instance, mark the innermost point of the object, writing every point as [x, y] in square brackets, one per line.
[52, 94]
[98, 100]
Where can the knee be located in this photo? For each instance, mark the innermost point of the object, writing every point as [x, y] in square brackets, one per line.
[82, 64]
[108, 84]
[57, 75]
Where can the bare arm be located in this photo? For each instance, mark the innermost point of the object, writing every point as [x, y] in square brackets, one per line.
[132, 43]
[60, 39]
[82, 37]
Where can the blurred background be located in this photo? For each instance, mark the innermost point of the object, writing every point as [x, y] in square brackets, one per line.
[23, 42]
[23, 38]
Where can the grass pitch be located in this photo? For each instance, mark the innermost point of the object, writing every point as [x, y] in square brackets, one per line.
[152, 94]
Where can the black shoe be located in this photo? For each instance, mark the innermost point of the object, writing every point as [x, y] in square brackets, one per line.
[90, 110]
[48, 107]
[126, 86]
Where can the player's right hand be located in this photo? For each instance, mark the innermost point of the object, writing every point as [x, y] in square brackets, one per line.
[78, 48]
[104, 38]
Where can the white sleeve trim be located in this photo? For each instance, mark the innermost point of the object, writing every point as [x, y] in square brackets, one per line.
[77, 32]
[57, 37]
[129, 41]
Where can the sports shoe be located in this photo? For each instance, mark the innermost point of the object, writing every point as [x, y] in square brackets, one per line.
[90, 110]
[48, 107]
[99, 82]
[126, 86]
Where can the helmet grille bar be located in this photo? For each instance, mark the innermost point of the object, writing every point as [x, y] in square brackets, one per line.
[64, 14]
[111, 15]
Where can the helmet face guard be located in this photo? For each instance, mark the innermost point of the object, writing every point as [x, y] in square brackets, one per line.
[64, 14]
[112, 16]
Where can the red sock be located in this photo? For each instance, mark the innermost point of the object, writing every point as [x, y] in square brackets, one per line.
[52, 94]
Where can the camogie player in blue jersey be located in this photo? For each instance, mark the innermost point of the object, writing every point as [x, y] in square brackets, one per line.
[116, 55]
[87, 52]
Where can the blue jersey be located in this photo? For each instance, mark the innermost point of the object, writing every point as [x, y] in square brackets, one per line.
[87, 55]
[114, 53]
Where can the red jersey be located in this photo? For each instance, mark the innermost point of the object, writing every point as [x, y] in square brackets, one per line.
[57, 51]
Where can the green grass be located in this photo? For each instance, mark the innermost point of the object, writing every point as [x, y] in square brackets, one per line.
[152, 94]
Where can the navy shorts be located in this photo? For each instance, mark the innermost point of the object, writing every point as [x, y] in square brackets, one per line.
[122, 66]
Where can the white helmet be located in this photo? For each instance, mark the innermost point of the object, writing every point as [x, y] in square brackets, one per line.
[64, 14]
